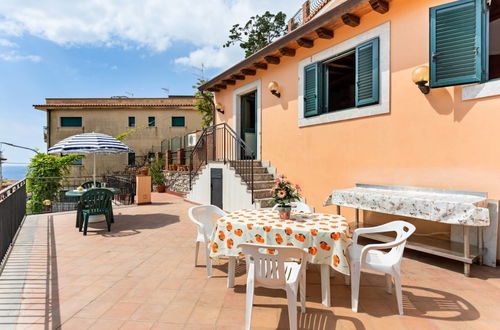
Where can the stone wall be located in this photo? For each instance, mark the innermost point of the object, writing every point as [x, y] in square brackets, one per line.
[177, 181]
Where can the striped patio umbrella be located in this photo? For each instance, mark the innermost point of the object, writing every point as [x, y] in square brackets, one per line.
[89, 143]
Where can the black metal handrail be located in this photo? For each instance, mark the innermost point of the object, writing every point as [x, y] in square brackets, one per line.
[220, 143]
[12, 213]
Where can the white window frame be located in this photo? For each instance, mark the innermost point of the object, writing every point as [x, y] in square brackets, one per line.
[383, 32]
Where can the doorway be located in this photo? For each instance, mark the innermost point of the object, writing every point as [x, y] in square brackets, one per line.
[216, 187]
[248, 122]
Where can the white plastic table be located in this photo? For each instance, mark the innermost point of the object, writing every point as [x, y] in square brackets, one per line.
[326, 236]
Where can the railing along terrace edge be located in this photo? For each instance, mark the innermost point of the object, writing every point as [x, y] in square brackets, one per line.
[12, 215]
[125, 183]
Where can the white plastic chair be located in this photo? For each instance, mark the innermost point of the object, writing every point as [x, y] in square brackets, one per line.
[370, 257]
[298, 207]
[204, 217]
[274, 271]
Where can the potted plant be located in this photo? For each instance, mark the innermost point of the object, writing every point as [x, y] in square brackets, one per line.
[283, 193]
[144, 170]
[157, 175]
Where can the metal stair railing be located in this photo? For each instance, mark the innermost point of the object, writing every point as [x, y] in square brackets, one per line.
[220, 143]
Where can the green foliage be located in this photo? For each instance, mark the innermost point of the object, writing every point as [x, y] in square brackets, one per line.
[156, 171]
[283, 192]
[258, 32]
[46, 166]
[126, 134]
[204, 104]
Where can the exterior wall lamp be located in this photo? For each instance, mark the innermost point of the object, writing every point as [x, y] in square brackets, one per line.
[274, 88]
[420, 76]
[219, 108]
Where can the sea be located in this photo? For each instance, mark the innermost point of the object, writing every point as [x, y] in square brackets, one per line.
[14, 172]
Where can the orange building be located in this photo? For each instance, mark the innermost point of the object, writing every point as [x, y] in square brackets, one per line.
[345, 110]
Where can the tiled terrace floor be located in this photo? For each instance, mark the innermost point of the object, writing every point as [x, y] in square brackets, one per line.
[141, 276]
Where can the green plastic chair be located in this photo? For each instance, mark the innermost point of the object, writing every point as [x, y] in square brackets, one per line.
[95, 202]
[90, 184]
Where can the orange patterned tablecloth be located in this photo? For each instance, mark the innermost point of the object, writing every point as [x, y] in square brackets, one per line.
[326, 236]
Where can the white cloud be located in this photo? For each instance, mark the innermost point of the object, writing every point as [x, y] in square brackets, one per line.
[210, 57]
[14, 56]
[152, 24]
[7, 43]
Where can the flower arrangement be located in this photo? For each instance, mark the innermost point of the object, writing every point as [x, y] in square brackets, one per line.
[283, 192]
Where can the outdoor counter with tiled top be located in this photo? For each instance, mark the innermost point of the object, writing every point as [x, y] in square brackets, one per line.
[462, 209]
[325, 236]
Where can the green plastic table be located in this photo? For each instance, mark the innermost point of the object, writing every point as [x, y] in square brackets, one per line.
[77, 193]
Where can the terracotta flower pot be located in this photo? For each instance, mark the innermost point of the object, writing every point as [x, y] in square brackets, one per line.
[284, 212]
[160, 188]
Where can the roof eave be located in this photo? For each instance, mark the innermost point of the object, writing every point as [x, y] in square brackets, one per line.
[309, 27]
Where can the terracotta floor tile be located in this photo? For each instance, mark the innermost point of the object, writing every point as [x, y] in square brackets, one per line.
[78, 323]
[231, 317]
[103, 324]
[167, 326]
[121, 311]
[136, 325]
[177, 313]
[148, 312]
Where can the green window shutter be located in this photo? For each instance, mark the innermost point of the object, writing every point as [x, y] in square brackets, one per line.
[312, 89]
[151, 121]
[178, 121]
[71, 121]
[457, 43]
[367, 73]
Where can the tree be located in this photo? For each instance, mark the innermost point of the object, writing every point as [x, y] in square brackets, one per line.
[204, 104]
[258, 32]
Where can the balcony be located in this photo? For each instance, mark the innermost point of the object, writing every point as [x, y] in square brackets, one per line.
[141, 275]
[309, 9]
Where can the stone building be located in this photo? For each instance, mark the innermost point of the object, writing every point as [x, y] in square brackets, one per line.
[148, 120]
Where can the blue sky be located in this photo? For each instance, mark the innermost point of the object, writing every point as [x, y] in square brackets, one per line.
[102, 48]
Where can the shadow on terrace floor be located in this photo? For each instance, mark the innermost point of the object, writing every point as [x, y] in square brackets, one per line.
[127, 225]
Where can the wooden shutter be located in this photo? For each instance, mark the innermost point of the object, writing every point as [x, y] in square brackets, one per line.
[457, 43]
[367, 73]
[312, 89]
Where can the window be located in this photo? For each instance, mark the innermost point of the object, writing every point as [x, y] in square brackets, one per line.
[131, 121]
[347, 80]
[460, 32]
[131, 159]
[71, 121]
[178, 121]
[78, 162]
[151, 121]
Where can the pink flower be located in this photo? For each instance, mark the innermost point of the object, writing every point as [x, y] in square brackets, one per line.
[281, 194]
[297, 187]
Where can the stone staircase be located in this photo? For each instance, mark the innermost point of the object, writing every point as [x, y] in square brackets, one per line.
[263, 180]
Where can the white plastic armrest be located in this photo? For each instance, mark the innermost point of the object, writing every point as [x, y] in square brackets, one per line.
[370, 230]
[381, 246]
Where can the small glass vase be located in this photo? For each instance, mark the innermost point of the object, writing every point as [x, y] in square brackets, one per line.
[284, 211]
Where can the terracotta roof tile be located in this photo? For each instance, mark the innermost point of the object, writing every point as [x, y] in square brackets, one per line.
[112, 105]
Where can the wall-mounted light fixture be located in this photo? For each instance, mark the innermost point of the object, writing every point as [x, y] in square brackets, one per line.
[274, 88]
[420, 76]
[219, 107]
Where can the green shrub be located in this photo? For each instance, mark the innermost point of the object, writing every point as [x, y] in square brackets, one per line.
[53, 169]
[156, 171]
